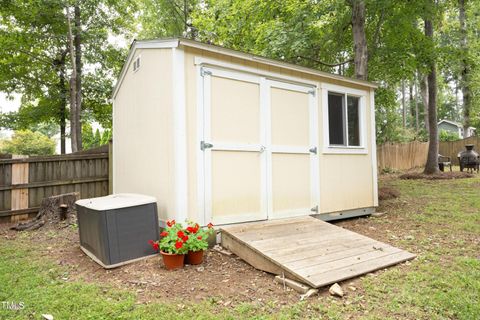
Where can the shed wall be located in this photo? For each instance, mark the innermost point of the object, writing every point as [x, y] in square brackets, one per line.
[346, 180]
[143, 130]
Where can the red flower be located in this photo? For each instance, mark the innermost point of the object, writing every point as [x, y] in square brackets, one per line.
[153, 244]
[170, 223]
[164, 234]
[178, 244]
[199, 237]
[210, 225]
[185, 238]
[180, 234]
[192, 230]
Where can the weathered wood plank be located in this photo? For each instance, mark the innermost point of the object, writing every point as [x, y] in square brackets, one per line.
[337, 275]
[316, 253]
[340, 260]
[321, 248]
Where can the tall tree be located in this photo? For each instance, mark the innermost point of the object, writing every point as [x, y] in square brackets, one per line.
[36, 60]
[465, 66]
[359, 39]
[431, 166]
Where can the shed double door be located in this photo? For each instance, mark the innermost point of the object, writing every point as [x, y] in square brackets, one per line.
[259, 148]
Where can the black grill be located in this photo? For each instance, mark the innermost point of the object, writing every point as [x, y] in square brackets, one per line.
[469, 159]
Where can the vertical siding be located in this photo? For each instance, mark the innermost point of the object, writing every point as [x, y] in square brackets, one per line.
[345, 180]
[142, 130]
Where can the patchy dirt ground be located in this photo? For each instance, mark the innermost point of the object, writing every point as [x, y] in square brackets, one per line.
[223, 279]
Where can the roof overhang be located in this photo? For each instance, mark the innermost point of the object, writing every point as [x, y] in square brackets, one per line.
[176, 42]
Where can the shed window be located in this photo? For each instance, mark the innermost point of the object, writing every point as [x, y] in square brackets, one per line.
[343, 120]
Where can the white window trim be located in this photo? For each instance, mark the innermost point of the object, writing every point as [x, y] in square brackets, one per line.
[339, 149]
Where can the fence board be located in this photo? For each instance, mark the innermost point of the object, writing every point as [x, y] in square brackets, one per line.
[402, 156]
[87, 173]
[452, 148]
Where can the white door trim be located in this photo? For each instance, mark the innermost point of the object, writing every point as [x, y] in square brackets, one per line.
[313, 137]
[179, 135]
[205, 122]
[265, 147]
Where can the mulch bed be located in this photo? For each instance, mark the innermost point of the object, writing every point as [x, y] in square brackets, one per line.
[437, 176]
[387, 193]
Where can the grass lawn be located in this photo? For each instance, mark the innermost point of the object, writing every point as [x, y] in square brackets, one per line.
[437, 220]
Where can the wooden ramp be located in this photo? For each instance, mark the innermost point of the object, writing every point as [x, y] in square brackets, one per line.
[309, 250]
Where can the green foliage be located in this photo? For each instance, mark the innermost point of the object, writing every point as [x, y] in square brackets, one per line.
[94, 139]
[197, 237]
[448, 136]
[34, 55]
[173, 239]
[28, 143]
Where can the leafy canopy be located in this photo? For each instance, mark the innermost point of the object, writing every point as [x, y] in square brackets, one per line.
[29, 143]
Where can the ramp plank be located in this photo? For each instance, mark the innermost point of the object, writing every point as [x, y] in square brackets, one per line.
[309, 250]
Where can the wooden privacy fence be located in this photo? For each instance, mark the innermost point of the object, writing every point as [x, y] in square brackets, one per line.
[402, 156]
[25, 182]
[452, 148]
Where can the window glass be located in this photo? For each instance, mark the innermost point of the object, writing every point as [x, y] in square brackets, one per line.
[336, 119]
[353, 121]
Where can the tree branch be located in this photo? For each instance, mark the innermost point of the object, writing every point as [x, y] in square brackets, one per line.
[325, 63]
[376, 35]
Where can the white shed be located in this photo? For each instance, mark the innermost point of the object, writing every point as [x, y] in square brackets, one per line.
[217, 135]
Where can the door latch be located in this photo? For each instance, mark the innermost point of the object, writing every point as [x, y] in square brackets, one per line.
[313, 150]
[314, 209]
[205, 145]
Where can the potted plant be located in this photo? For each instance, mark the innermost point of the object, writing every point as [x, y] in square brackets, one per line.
[196, 242]
[172, 245]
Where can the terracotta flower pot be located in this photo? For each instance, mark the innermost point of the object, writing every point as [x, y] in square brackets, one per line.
[172, 260]
[194, 257]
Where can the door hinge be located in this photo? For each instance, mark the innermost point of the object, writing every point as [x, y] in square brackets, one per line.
[205, 145]
[312, 92]
[313, 150]
[314, 209]
[204, 72]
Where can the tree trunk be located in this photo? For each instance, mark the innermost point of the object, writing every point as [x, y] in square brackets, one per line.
[417, 126]
[78, 62]
[404, 107]
[359, 39]
[465, 73]
[424, 93]
[73, 87]
[431, 166]
[63, 105]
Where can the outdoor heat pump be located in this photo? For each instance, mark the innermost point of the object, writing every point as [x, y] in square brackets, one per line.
[115, 230]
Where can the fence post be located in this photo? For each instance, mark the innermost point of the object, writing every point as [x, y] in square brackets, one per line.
[19, 197]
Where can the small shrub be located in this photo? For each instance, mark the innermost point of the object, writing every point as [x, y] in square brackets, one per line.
[26, 142]
[448, 136]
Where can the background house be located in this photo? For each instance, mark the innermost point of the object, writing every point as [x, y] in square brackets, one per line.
[455, 127]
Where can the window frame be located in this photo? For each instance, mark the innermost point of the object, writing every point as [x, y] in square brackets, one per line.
[345, 92]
